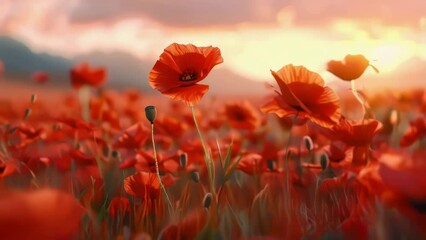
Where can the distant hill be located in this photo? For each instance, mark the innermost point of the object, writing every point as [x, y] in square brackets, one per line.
[124, 69]
[20, 62]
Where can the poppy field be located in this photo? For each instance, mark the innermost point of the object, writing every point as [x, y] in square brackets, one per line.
[305, 161]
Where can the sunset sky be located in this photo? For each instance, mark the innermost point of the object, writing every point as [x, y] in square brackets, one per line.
[253, 35]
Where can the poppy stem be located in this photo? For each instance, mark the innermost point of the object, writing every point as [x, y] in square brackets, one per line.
[84, 97]
[158, 170]
[287, 170]
[209, 164]
[358, 97]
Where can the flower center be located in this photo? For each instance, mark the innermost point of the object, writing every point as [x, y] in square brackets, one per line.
[188, 75]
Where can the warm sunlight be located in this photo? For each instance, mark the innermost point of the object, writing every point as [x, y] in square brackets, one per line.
[387, 56]
[212, 119]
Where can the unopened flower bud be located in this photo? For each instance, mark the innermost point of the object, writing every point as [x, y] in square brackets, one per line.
[207, 200]
[115, 154]
[33, 98]
[12, 130]
[27, 113]
[324, 161]
[151, 113]
[270, 164]
[308, 143]
[183, 159]
[195, 176]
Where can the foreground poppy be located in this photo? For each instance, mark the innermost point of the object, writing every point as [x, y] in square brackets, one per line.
[180, 68]
[302, 93]
[351, 68]
[84, 74]
[41, 214]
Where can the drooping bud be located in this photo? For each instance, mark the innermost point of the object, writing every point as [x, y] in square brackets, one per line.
[183, 159]
[324, 161]
[151, 113]
[308, 143]
[207, 200]
[195, 176]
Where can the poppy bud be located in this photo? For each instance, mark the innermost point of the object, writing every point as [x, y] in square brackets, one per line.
[115, 154]
[27, 113]
[195, 176]
[323, 161]
[271, 165]
[151, 113]
[33, 98]
[207, 200]
[12, 130]
[308, 143]
[183, 158]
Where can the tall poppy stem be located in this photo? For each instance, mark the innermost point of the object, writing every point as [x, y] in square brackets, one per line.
[84, 97]
[287, 170]
[209, 165]
[158, 170]
[357, 96]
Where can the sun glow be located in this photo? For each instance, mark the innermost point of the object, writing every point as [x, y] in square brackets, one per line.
[389, 55]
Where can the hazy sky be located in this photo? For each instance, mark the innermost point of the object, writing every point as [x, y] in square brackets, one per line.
[253, 35]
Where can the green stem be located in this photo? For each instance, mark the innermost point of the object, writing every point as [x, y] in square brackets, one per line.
[158, 170]
[206, 156]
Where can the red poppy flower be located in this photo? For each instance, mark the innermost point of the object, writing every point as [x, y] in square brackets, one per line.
[7, 168]
[40, 77]
[171, 126]
[242, 115]
[417, 130]
[146, 162]
[351, 68]
[404, 175]
[42, 214]
[358, 134]
[83, 74]
[133, 137]
[303, 93]
[143, 185]
[119, 206]
[252, 164]
[76, 124]
[180, 68]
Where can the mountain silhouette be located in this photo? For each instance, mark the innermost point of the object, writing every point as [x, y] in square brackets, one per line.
[124, 69]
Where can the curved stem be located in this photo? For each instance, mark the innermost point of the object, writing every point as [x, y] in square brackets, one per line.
[357, 96]
[158, 169]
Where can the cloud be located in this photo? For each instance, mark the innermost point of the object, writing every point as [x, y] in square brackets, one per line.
[197, 13]
[181, 13]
